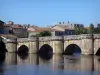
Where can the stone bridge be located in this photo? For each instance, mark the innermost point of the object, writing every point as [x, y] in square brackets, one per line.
[87, 43]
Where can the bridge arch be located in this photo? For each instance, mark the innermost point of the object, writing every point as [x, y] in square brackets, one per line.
[98, 52]
[72, 49]
[23, 49]
[46, 49]
[3, 47]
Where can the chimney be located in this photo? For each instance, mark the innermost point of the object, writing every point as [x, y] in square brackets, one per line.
[68, 21]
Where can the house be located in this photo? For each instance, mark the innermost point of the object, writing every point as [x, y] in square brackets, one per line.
[7, 28]
[66, 28]
[63, 30]
[68, 24]
[2, 27]
[15, 29]
[54, 32]
[31, 30]
[19, 31]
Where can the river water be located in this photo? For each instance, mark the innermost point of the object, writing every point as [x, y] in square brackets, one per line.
[32, 64]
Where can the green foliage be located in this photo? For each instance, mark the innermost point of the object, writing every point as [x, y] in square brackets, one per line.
[98, 28]
[79, 30]
[91, 29]
[44, 33]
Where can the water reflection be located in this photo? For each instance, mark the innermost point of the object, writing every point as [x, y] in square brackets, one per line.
[2, 59]
[45, 56]
[23, 55]
[11, 59]
[3, 49]
[57, 65]
[31, 59]
[58, 62]
[45, 50]
[72, 58]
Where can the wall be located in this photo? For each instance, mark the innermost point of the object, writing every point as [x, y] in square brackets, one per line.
[32, 33]
[20, 32]
[6, 29]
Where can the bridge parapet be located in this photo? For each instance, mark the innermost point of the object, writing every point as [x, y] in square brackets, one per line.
[78, 37]
[86, 36]
[50, 38]
[96, 36]
[26, 39]
[10, 40]
[72, 37]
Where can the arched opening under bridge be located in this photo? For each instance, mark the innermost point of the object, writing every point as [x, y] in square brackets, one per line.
[46, 52]
[72, 49]
[98, 52]
[23, 51]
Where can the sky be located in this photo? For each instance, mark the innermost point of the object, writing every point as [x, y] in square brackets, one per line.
[49, 12]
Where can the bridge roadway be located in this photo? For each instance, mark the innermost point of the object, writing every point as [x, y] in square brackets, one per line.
[87, 43]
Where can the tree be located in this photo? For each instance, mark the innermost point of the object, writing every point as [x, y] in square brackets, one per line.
[84, 31]
[98, 28]
[80, 30]
[77, 30]
[91, 29]
[98, 25]
[45, 33]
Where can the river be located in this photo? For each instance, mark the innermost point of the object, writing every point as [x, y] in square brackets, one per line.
[33, 64]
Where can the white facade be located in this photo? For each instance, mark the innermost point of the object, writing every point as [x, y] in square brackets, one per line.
[58, 28]
[31, 29]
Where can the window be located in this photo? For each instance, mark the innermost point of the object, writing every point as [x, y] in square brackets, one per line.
[67, 33]
[71, 33]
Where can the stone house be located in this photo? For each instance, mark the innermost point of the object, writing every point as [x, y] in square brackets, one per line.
[2, 27]
[7, 28]
[54, 32]
[15, 29]
[64, 30]
[32, 30]
[19, 31]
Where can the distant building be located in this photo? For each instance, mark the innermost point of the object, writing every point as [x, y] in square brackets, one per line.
[37, 31]
[7, 28]
[68, 24]
[15, 29]
[19, 31]
[2, 27]
[63, 30]
[56, 31]
[10, 23]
